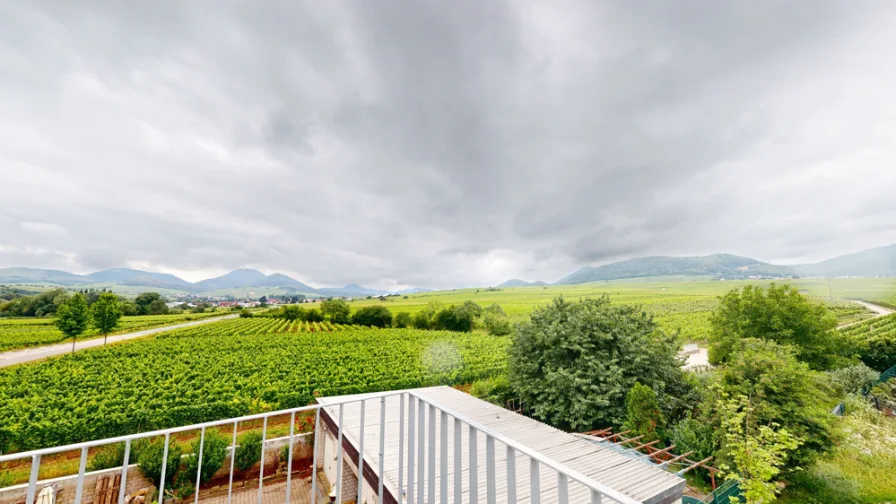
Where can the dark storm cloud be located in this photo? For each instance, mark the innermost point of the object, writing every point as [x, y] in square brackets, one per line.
[425, 143]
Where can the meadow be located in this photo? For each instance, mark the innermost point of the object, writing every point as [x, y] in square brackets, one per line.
[681, 304]
[16, 333]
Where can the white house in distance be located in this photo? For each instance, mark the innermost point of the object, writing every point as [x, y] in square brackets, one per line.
[630, 479]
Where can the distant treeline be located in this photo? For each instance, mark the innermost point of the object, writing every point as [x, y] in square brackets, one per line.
[46, 303]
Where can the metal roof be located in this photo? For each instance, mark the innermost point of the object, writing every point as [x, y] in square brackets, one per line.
[643, 482]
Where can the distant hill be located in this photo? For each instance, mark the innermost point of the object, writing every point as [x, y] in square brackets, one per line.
[415, 290]
[879, 261]
[126, 276]
[250, 278]
[352, 290]
[716, 265]
[33, 275]
[516, 282]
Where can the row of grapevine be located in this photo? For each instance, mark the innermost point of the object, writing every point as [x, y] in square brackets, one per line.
[874, 341]
[222, 370]
[22, 333]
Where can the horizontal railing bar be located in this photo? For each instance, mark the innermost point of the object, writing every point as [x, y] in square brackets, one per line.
[174, 430]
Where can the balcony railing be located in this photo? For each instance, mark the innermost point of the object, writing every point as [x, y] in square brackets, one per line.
[418, 480]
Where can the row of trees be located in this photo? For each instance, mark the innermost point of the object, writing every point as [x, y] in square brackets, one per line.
[47, 303]
[762, 412]
[461, 318]
[74, 315]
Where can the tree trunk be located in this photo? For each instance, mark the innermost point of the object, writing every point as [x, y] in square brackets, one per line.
[105, 337]
[73, 343]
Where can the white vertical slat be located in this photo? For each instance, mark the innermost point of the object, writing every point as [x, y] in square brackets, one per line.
[164, 467]
[124, 472]
[421, 437]
[82, 468]
[596, 497]
[232, 460]
[431, 483]
[443, 458]
[382, 475]
[317, 428]
[199, 464]
[511, 475]
[361, 454]
[339, 456]
[534, 482]
[32, 480]
[264, 438]
[400, 449]
[474, 467]
[458, 461]
[292, 433]
[562, 488]
[412, 424]
[490, 483]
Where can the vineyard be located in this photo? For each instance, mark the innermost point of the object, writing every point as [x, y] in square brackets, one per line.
[223, 370]
[30, 332]
[875, 341]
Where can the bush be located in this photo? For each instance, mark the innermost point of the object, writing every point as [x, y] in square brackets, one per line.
[214, 451]
[495, 390]
[149, 458]
[291, 312]
[643, 415]
[248, 453]
[337, 310]
[107, 457]
[314, 315]
[245, 313]
[421, 320]
[854, 379]
[455, 318]
[496, 322]
[373, 316]
[878, 351]
[402, 320]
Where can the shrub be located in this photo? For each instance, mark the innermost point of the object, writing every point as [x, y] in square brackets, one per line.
[314, 315]
[644, 416]
[854, 379]
[214, 451]
[107, 457]
[496, 322]
[495, 390]
[879, 350]
[336, 309]
[373, 316]
[402, 320]
[248, 453]
[421, 320]
[245, 313]
[149, 458]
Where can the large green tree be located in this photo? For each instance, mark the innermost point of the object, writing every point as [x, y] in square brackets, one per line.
[150, 303]
[72, 317]
[106, 312]
[574, 363]
[337, 309]
[778, 313]
[373, 316]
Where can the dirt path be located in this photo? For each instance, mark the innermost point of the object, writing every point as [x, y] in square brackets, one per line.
[14, 357]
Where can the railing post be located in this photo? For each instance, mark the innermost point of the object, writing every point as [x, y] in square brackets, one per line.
[421, 426]
[32, 480]
[474, 466]
[199, 464]
[490, 483]
[458, 461]
[400, 449]
[82, 467]
[431, 484]
[412, 421]
[534, 482]
[361, 455]
[382, 449]
[264, 438]
[232, 459]
[124, 471]
[314, 457]
[443, 459]
[339, 457]
[511, 475]
[596, 497]
[164, 467]
[562, 488]
[292, 433]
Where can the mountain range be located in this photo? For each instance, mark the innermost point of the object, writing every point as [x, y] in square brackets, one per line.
[874, 262]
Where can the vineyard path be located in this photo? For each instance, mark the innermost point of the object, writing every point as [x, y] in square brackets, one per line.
[14, 357]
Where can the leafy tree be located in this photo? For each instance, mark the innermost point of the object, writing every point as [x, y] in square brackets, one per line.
[144, 300]
[459, 318]
[757, 450]
[214, 451]
[496, 322]
[128, 308]
[644, 417]
[784, 391]
[245, 313]
[106, 312]
[421, 320]
[292, 312]
[263, 301]
[575, 362]
[373, 316]
[158, 307]
[149, 456]
[248, 453]
[495, 390]
[314, 315]
[72, 317]
[402, 320]
[780, 314]
[337, 309]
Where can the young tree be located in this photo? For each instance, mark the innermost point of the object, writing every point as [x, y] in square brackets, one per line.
[292, 312]
[780, 314]
[72, 317]
[402, 320]
[373, 316]
[337, 309]
[758, 452]
[214, 451]
[106, 312]
[575, 362]
[144, 300]
[644, 417]
[248, 453]
[496, 322]
[421, 320]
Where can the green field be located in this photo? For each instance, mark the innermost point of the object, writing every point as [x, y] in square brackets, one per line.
[678, 303]
[223, 370]
[30, 332]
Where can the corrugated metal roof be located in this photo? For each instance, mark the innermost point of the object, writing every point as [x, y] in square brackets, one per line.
[642, 481]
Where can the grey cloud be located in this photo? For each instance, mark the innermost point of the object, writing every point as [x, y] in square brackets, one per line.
[395, 143]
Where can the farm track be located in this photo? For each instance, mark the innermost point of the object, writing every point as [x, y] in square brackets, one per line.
[14, 357]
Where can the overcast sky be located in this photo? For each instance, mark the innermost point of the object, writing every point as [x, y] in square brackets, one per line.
[441, 144]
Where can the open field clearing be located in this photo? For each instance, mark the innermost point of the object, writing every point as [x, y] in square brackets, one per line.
[18, 333]
[678, 304]
[222, 370]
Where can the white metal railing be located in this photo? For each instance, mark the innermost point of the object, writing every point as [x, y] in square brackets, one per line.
[416, 437]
